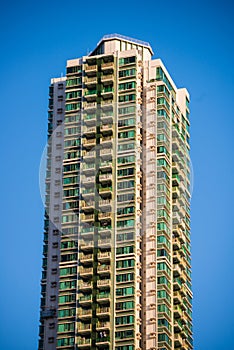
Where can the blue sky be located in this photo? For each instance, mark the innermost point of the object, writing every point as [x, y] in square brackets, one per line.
[195, 42]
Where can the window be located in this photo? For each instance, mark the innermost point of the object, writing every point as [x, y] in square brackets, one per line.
[125, 236]
[127, 86]
[160, 75]
[68, 271]
[68, 257]
[73, 106]
[163, 280]
[126, 134]
[125, 263]
[127, 110]
[126, 146]
[125, 211]
[66, 327]
[125, 250]
[126, 305]
[124, 334]
[74, 69]
[124, 320]
[127, 73]
[164, 295]
[66, 312]
[73, 81]
[127, 60]
[127, 98]
[66, 341]
[67, 298]
[163, 267]
[163, 239]
[162, 101]
[125, 184]
[126, 122]
[162, 88]
[126, 223]
[67, 285]
[125, 172]
[126, 277]
[164, 337]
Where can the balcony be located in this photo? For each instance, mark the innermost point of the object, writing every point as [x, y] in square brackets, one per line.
[107, 104]
[107, 66]
[107, 118]
[105, 165]
[103, 342]
[105, 190]
[104, 216]
[177, 298]
[84, 286]
[86, 245]
[176, 244]
[104, 284]
[107, 141]
[175, 205]
[106, 152]
[177, 271]
[104, 202]
[106, 129]
[103, 297]
[87, 206]
[90, 119]
[104, 243]
[177, 284]
[87, 192]
[103, 311]
[103, 269]
[84, 343]
[91, 95]
[175, 180]
[83, 328]
[105, 178]
[177, 311]
[107, 92]
[102, 325]
[107, 78]
[84, 313]
[85, 299]
[87, 218]
[178, 341]
[90, 105]
[104, 256]
[87, 180]
[88, 143]
[175, 218]
[175, 192]
[105, 231]
[86, 258]
[85, 271]
[87, 168]
[90, 81]
[89, 130]
[91, 68]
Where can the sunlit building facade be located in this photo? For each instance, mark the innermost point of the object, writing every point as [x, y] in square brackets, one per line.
[116, 257]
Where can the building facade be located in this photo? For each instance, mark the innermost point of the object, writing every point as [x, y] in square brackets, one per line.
[116, 258]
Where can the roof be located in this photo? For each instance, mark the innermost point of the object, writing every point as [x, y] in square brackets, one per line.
[125, 38]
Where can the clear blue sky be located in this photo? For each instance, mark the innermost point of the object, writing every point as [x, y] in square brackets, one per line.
[195, 41]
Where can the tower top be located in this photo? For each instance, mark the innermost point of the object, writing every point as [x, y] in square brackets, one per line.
[120, 38]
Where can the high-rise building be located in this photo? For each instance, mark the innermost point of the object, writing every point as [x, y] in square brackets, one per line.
[116, 266]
